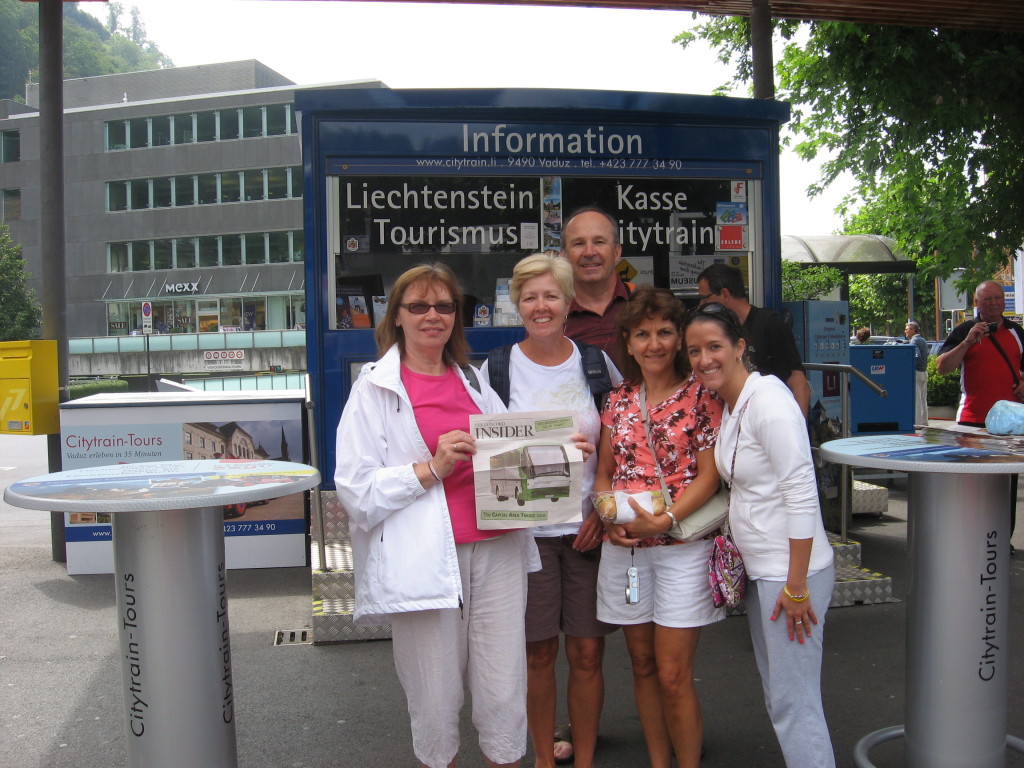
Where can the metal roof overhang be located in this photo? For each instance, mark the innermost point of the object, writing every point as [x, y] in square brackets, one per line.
[852, 254]
[1004, 15]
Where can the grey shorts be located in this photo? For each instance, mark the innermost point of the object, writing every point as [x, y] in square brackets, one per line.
[562, 596]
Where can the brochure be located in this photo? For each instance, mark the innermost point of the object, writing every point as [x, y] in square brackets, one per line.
[527, 469]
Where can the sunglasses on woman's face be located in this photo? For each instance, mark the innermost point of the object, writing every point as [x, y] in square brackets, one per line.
[421, 307]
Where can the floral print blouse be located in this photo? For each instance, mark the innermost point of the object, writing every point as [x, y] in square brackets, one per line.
[683, 424]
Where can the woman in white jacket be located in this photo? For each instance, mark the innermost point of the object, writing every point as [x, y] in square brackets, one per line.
[453, 594]
[764, 453]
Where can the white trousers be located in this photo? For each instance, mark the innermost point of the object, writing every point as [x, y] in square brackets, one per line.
[483, 645]
[791, 672]
[921, 397]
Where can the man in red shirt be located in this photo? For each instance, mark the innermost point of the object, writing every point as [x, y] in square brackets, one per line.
[988, 351]
[590, 241]
[986, 373]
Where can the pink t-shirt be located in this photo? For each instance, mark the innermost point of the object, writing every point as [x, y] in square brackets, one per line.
[442, 404]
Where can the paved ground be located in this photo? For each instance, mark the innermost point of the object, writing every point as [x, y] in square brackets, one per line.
[341, 706]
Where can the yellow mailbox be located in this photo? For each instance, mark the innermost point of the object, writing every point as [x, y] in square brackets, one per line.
[28, 387]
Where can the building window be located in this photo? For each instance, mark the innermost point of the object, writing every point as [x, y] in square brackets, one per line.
[253, 185]
[277, 119]
[231, 250]
[161, 130]
[296, 174]
[184, 190]
[255, 248]
[163, 196]
[230, 187]
[209, 251]
[277, 183]
[185, 253]
[184, 133]
[138, 194]
[10, 205]
[188, 438]
[206, 126]
[138, 133]
[298, 245]
[117, 257]
[207, 184]
[117, 196]
[163, 254]
[228, 124]
[10, 146]
[252, 122]
[141, 257]
[117, 135]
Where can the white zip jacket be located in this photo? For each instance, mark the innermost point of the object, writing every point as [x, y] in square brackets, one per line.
[774, 494]
[402, 542]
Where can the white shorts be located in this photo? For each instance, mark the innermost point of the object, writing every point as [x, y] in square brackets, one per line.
[674, 589]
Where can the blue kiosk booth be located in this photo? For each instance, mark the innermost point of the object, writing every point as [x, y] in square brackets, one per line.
[479, 179]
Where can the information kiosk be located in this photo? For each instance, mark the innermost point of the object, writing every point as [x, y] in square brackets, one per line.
[480, 178]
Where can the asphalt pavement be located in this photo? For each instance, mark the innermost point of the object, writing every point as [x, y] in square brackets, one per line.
[340, 706]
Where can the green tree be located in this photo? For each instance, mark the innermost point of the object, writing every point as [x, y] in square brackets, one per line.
[929, 122]
[90, 46]
[800, 283]
[882, 302]
[20, 313]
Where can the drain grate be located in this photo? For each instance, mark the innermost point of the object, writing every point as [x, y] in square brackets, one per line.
[293, 637]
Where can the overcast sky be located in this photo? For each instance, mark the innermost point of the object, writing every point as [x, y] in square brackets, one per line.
[425, 45]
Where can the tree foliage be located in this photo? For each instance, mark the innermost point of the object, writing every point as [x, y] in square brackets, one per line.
[801, 283]
[930, 123]
[20, 313]
[90, 46]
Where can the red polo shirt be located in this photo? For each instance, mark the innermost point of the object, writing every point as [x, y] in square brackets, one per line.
[600, 330]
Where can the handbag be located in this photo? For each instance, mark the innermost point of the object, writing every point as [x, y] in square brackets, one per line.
[708, 517]
[727, 575]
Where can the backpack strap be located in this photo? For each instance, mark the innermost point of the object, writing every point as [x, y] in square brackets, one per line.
[595, 371]
[498, 361]
[470, 373]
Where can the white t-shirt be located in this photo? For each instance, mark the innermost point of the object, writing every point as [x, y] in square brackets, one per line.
[562, 387]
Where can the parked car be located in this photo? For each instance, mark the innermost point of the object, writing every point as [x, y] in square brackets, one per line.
[882, 340]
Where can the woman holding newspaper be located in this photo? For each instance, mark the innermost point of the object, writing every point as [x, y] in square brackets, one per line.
[659, 425]
[546, 372]
[404, 473]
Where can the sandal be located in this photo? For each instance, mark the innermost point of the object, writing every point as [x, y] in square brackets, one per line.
[563, 735]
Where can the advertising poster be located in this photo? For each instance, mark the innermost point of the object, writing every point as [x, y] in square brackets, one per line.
[172, 427]
[527, 469]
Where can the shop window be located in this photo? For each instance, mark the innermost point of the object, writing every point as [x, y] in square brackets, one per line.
[231, 313]
[206, 126]
[228, 124]
[117, 196]
[117, 135]
[142, 259]
[230, 250]
[138, 133]
[277, 183]
[10, 205]
[277, 119]
[138, 194]
[184, 133]
[254, 314]
[279, 247]
[255, 250]
[253, 184]
[296, 174]
[118, 319]
[163, 254]
[117, 257]
[252, 122]
[207, 184]
[298, 245]
[209, 251]
[162, 197]
[230, 187]
[160, 128]
[184, 190]
[185, 253]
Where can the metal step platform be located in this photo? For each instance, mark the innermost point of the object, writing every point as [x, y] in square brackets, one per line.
[334, 587]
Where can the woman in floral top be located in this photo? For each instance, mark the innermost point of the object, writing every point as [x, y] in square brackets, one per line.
[662, 628]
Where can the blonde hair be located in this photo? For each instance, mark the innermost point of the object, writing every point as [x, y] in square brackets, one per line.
[438, 275]
[538, 265]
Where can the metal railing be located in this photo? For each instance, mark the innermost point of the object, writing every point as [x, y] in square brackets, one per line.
[844, 372]
[174, 342]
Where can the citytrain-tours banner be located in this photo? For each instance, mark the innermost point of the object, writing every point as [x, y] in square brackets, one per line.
[257, 535]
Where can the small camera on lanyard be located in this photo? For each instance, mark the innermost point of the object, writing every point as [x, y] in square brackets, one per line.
[632, 586]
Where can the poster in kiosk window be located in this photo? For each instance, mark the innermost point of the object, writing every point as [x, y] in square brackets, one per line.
[478, 179]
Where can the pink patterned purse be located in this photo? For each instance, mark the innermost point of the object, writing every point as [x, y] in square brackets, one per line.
[726, 574]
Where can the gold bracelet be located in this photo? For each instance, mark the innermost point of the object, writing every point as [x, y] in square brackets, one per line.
[795, 598]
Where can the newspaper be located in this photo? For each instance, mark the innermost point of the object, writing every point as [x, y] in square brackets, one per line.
[527, 469]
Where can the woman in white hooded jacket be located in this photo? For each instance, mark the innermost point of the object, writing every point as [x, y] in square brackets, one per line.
[454, 595]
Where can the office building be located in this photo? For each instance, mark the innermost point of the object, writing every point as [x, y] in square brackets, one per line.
[183, 188]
